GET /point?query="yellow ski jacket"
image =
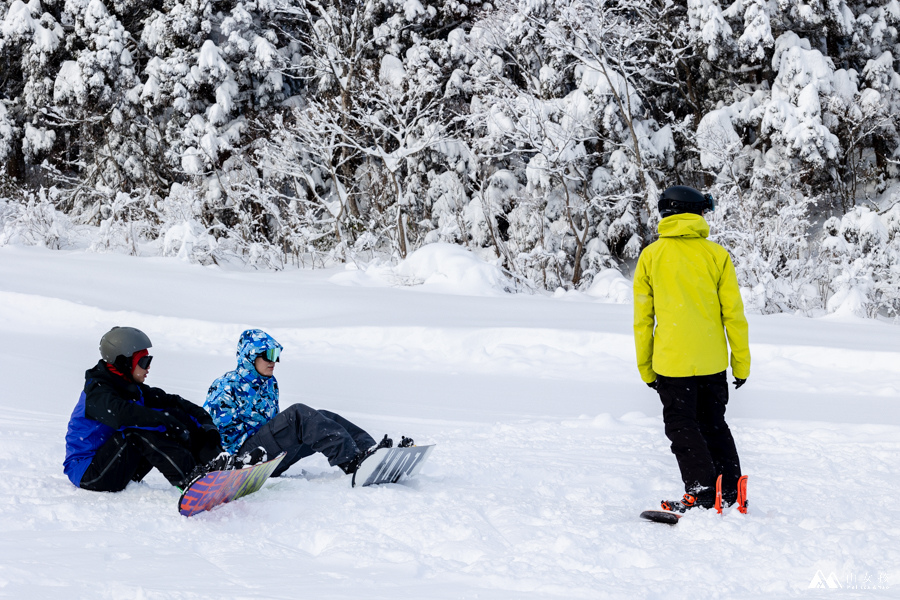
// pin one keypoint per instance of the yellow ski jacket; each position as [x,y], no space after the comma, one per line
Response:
[688,285]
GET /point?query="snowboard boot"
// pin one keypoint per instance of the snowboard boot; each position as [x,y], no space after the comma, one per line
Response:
[406,442]
[352,465]
[385,442]
[222,462]
[702,499]
[686,503]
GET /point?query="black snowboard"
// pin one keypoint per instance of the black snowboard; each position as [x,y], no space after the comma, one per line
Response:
[661,516]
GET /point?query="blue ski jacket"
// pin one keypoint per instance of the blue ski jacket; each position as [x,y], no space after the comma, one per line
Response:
[242,401]
[109,404]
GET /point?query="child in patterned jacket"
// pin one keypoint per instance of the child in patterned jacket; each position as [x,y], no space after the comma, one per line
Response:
[244,406]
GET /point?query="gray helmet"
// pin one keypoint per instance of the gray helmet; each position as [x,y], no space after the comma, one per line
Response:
[683,199]
[122,341]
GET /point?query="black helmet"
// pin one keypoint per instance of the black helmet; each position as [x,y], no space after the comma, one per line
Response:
[684,199]
[122,341]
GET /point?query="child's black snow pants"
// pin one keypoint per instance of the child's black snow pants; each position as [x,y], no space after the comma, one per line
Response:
[694,416]
[128,456]
[301,431]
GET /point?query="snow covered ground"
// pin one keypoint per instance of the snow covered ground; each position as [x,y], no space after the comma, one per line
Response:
[548,444]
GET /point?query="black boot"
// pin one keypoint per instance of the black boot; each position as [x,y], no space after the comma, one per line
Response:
[702,499]
[222,462]
[385,442]
[352,465]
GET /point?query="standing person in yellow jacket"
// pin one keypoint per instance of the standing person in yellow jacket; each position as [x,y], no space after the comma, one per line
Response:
[686,303]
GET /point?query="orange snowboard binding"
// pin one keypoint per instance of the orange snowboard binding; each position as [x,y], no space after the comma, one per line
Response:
[741,495]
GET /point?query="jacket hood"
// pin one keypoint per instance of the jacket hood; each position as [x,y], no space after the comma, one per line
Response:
[242,401]
[684,225]
[252,343]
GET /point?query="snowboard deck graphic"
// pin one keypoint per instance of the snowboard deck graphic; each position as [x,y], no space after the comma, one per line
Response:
[218,487]
[661,516]
[388,465]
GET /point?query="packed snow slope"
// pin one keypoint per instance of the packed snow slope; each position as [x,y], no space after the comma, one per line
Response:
[548,444]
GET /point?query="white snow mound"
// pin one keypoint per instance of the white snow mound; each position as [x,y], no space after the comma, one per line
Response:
[439,268]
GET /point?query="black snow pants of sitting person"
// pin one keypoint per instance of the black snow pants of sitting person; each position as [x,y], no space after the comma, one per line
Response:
[130,455]
[300,431]
[694,417]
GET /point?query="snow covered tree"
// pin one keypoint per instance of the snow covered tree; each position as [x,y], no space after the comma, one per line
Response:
[536,132]
[31,44]
[371,130]
[557,103]
[859,262]
[802,120]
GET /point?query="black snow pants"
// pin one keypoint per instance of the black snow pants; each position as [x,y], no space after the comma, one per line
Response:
[129,455]
[694,416]
[301,431]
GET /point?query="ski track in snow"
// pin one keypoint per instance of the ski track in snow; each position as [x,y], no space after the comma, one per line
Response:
[548,449]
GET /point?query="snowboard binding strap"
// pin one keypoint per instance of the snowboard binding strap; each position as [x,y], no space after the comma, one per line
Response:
[687,502]
[719,494]
[742,495]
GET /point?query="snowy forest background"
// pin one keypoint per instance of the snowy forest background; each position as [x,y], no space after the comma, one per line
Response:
[536,133]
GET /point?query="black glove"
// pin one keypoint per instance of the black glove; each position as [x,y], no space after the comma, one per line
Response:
[175,428]
[209,431]
[211,437]
[653,384]
[178,432]
[739,382]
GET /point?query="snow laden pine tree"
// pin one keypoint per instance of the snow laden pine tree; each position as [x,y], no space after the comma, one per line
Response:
[789,134]
[557,107]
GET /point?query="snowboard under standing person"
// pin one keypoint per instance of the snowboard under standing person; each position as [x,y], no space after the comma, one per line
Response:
[244,406]
[121,428]
[686,303]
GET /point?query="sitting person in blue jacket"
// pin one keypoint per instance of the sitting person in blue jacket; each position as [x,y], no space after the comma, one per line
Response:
[244,406]
[121,428]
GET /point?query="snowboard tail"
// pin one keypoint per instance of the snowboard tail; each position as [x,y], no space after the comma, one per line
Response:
[388,465]
[218,487]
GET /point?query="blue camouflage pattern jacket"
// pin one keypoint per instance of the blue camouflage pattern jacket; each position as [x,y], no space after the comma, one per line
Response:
[242,401]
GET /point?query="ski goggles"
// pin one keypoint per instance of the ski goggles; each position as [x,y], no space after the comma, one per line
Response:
[271,354]
[144,362]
